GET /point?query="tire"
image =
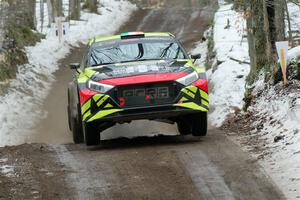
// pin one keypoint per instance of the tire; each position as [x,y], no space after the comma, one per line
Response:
[91,134]
[77,129]
[184,128]
[199,124]
[69,112]
[75,121]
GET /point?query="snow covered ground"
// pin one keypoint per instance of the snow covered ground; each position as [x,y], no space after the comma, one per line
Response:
[228,78]
[294,11]
[276,111]
[34,79]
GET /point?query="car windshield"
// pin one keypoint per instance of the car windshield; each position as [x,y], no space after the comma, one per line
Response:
[132,51]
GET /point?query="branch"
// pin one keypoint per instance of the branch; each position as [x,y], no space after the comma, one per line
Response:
[294,2]
[239,61]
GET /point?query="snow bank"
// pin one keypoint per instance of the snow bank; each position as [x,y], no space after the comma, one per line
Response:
[279,112]
[279,109]
[293,53]
[202,48]
[7,170]
[275,112]
[228,79]
[33,80]
[231,46]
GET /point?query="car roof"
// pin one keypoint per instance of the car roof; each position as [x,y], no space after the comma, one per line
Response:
[128,35]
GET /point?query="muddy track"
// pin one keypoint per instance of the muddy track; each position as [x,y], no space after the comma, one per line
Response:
[162,167]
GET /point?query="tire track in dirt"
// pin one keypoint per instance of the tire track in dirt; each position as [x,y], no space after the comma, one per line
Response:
[165,167]
[206,176]
[83,177]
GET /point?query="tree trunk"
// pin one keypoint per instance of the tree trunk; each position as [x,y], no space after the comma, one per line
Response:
[289,21]
[57,8]
[91,5]
[279,20]
[42,14]
[268,28]
[265,25]
[31,14]
[75,9]
[50,13]
[258,43]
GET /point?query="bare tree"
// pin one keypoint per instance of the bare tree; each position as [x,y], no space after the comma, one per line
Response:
[50,13]
[57,8]
[75,9]
[265,25]
[2,14]
[42,14]
[91,5]
[289,21]
[279,20]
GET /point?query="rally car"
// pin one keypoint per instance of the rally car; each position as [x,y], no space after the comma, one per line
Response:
[136,76]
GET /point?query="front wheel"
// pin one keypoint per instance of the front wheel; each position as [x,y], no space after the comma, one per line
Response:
[74,120]
[77,129]
[91,134]
[184,127]
[199,124]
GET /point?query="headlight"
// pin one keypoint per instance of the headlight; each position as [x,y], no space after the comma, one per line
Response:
[189,79]
[99,87]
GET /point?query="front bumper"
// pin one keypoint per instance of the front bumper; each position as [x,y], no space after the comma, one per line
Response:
[101,107]
[150,113]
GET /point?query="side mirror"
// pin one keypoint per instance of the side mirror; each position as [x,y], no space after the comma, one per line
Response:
[196,56]
[74,66]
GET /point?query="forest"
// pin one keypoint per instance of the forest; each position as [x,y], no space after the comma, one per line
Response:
[19,21]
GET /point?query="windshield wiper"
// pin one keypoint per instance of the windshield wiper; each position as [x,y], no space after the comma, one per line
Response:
[128,61]
[164,52]
[96,65]
[146,59]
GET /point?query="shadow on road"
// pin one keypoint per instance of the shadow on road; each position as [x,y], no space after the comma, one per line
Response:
[144,142]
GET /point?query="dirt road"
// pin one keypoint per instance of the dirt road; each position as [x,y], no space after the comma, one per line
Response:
[144,168]
[163,167]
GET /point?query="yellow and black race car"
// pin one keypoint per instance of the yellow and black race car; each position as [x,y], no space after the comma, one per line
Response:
[135,76]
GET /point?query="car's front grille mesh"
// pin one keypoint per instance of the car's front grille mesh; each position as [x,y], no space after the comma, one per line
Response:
[149,94]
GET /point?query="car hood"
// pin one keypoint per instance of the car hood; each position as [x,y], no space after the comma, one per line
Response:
[152,71]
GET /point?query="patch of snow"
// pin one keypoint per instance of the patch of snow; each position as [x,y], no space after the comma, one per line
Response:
[281,111]
[293,53]
[201,48]
[34,79]
[3,160]
[228,79]
[221,2]
[228,90]
[277,109]
[259,85]
[7,170]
